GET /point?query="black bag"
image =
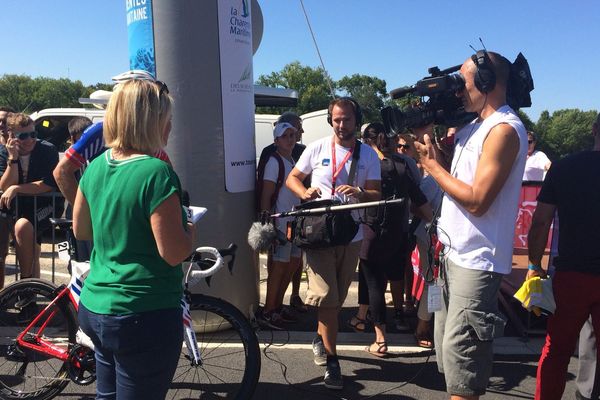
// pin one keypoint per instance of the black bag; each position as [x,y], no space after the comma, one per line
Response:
[328,229]
[384,220]
[325,230]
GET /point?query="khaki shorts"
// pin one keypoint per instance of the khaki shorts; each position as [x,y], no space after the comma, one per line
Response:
[330,273]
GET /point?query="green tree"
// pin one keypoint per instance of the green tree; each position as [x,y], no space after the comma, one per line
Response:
[27,94]
[312,85]
[565,132]
[369,91]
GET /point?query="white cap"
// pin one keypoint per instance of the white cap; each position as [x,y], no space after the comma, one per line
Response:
[281,128]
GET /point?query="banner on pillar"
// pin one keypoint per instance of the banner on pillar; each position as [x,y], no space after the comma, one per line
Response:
[235,48]
[140,35]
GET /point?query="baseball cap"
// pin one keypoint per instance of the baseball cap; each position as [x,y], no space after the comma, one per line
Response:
[281,128]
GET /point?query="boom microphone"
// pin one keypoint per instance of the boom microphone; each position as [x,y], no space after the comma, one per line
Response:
[261,236]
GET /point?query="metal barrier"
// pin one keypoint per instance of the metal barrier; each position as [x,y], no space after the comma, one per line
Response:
[57,200]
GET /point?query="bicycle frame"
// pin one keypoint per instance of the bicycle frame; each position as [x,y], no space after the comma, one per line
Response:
[35,341]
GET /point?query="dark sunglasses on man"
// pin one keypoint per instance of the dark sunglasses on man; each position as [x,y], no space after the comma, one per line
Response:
[404,146]
[26,135]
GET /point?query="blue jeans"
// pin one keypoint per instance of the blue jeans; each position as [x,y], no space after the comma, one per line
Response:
[136,354]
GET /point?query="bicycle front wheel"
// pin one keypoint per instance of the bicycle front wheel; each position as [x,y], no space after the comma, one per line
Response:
[229,350]
[27,373]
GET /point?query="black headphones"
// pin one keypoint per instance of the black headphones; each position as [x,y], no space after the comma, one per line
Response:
[485,77]
[357,111]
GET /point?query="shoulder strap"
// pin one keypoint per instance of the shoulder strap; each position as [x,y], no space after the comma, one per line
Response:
[355,157]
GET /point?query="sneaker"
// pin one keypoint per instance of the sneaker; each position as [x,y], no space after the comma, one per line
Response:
[287,315]
[24,300]
[271,320]
[333,374]
[319,353]
[400,322]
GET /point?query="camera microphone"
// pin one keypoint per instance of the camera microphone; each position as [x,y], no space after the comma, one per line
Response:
[261,236]
[401,92]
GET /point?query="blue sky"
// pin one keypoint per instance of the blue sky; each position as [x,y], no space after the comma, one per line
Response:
[395,40]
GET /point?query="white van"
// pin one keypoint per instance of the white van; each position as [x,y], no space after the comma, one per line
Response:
[51,125]
[315,126]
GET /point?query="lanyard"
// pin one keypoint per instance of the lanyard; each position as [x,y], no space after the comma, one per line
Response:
[336,170]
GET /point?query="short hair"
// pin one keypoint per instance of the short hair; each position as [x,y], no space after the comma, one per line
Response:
[18,120]
[7,109]
[289,117]
[501,68]
[342,102]
[137,113]
[77,125]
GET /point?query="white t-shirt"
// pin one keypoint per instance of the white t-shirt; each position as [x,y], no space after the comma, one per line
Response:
[535,166]
[286,198]
[485,242]
[317,159]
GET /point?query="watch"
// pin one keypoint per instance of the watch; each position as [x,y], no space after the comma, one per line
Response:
[13,160]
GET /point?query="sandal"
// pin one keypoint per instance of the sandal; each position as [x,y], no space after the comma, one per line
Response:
[424,340]
[380,352]
[358,324]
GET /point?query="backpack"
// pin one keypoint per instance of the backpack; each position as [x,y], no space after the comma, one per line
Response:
[260,174]
[383,219]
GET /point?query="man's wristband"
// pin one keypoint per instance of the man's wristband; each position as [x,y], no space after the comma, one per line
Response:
[532,267]
[13,160]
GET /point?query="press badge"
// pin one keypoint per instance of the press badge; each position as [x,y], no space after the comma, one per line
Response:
[434,298]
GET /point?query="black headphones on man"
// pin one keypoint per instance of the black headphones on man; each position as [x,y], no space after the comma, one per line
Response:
[357,111]
[485,77]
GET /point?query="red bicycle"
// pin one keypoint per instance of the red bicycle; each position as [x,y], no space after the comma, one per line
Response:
[42,348]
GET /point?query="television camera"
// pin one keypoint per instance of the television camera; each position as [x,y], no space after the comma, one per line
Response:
[442,106]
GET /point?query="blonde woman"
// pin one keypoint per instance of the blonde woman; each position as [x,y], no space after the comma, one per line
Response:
[129,204]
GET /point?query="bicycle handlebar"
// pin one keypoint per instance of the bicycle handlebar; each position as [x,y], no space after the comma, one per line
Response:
[195,271]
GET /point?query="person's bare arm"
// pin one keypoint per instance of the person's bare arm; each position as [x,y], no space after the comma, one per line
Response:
[294,183]
[538,236]
[11,174]
[12,191]
[82,220]
[499,153]
[174,241]
[64,175]
[267,192]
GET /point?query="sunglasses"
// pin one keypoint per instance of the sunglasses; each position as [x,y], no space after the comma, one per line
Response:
[530,141]
[26,135]
[404,146]
[163,88]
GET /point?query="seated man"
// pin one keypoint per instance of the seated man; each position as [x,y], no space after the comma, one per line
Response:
[26,165]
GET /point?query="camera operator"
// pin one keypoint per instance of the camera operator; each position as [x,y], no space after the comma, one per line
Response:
[477,223]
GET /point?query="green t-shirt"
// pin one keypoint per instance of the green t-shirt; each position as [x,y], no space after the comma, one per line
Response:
[127,273]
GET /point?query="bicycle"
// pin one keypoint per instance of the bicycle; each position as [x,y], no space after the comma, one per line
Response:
[42,348]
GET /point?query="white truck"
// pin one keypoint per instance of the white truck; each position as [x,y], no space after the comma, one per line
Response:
[51,123]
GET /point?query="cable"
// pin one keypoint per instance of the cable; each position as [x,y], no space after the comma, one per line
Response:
[327,77]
